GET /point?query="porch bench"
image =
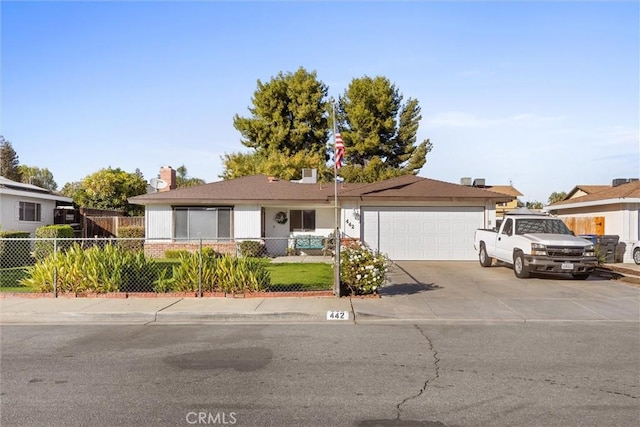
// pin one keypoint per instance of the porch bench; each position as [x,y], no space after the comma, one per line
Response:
[309,242]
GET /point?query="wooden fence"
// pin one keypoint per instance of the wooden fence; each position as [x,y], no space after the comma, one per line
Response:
[585,225]
[107,226]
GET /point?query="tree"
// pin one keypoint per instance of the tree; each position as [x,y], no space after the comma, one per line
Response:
[556,197]
[379,131]
[36,176]
[534,205]
[9,161]
[277,164]
[289,116]
[107,189]
[183,180]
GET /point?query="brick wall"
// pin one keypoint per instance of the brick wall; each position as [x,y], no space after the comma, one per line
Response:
[157,249]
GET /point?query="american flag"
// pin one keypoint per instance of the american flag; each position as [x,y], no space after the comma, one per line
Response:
[339,154]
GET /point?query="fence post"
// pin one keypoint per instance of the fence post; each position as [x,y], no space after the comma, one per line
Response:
[55,268]
[200,270]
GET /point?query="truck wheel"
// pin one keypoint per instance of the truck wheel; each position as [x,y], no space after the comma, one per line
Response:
[485,260]
[636,255]
[580,276]
[520,270]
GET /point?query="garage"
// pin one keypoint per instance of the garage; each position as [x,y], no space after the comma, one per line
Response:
[422,233]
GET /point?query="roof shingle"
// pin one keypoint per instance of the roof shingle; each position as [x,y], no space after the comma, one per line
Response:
[261,188]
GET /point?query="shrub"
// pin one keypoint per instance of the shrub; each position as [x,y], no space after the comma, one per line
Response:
[176,253]
[222,274]
[361,270]
[252,249]
[136,234]
[15,253]
[96,269]
[44,248]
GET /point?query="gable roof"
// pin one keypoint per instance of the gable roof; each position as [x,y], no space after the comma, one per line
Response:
[504,189]
[629,192]
[261,188]
[589,189]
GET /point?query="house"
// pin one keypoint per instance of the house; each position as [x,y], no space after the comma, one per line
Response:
[25,207]
[509,190]
[584,190]
[407,218]
[612,210]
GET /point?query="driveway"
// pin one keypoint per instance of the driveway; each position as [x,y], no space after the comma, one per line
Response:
[437,291]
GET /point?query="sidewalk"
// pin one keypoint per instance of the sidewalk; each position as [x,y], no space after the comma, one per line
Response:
[169,310]
[407,301]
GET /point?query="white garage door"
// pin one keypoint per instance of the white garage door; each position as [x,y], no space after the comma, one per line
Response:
[433,233]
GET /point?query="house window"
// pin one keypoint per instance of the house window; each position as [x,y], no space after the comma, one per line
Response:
[302,220]
[30,212]
[202,223]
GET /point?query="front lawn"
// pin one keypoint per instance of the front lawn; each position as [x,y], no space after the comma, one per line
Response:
[9,278]
[300,276]
[284,276]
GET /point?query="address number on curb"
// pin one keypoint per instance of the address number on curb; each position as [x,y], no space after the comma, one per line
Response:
[337,315]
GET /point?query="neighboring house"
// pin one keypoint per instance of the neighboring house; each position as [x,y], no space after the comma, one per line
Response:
[509,190]
[614,210]
[25,207]
[512,204]
[584,190]
[407,218]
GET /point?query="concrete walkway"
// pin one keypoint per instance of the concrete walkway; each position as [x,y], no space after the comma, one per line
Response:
[419,292]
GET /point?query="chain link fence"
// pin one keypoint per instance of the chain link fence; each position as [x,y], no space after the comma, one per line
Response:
[138,266]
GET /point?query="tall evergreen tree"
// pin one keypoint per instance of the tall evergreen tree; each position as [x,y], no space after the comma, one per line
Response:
[289,116]
[9,161]
[379,131]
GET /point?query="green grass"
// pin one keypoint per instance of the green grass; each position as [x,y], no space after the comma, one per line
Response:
[300,276]
[9,278]
[284,276]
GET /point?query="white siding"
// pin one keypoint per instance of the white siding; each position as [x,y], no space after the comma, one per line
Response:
[621,219]
[246,221]
[350,220]
[159,222]
[10,213]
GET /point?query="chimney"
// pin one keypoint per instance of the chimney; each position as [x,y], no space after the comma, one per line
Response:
[168,175]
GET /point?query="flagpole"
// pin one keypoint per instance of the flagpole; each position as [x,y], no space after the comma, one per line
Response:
[336,278]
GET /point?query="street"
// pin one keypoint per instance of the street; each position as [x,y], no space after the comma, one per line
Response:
[541,373]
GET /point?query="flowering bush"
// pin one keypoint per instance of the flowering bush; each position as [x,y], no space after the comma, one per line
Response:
[361,270]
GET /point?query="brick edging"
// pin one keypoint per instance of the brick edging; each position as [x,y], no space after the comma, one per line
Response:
[125,295]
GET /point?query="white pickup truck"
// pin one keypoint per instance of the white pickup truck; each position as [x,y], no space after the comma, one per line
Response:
[536,243]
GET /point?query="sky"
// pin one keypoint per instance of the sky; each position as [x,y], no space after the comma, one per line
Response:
[543,95]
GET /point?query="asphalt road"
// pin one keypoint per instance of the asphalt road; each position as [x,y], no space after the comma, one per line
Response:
[532,374]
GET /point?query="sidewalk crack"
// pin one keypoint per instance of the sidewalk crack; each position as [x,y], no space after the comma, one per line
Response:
[436,366]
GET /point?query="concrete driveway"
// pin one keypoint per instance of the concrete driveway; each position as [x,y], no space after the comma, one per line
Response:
[437,291]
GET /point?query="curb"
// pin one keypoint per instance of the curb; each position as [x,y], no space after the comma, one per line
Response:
[77,317]
[132,295]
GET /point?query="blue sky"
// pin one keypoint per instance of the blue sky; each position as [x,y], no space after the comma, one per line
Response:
[544,95]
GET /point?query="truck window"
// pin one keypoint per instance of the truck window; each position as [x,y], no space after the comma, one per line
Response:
[508,227]
[542,226]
